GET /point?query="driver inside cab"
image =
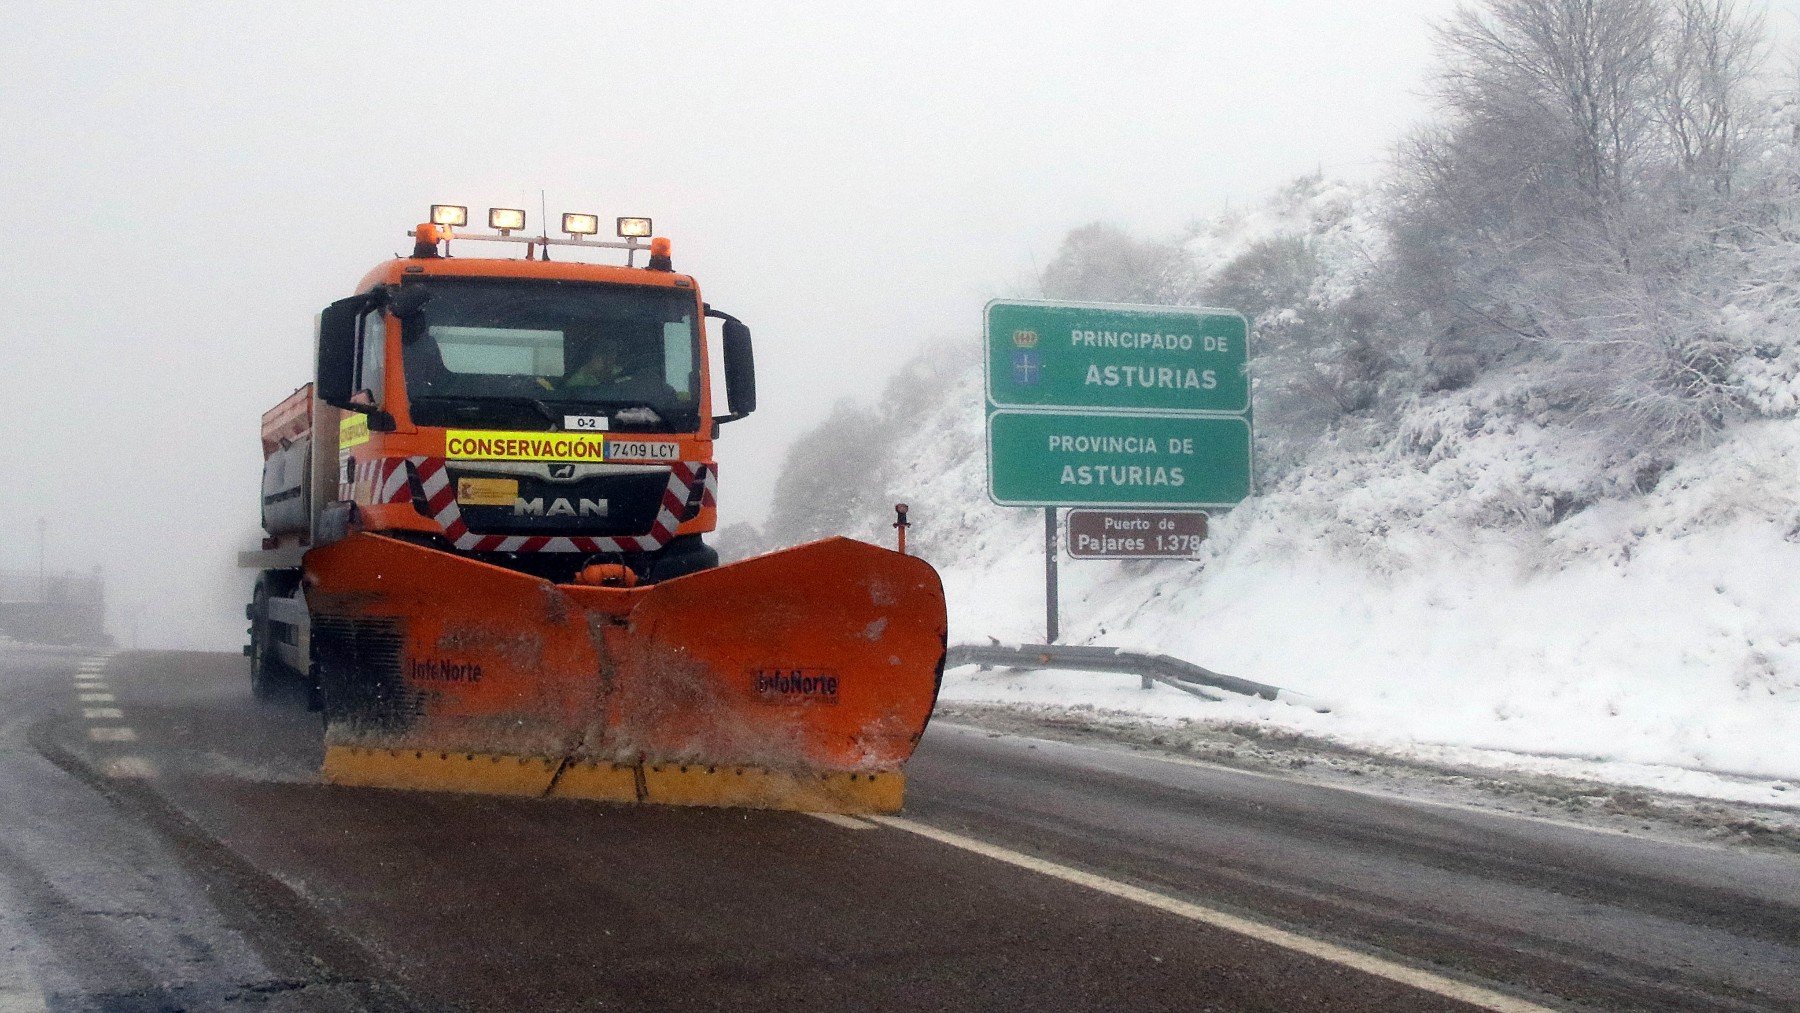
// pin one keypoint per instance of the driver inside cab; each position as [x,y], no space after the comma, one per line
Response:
[603,368]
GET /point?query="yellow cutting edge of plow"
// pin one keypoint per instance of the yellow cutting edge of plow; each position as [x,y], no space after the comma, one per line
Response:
[655,783]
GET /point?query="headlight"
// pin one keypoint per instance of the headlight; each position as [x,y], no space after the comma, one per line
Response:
[506,219]
[634,228]
[581,225]
[449,214]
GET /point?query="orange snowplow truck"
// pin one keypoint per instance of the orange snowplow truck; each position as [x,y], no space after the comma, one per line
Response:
[485,556]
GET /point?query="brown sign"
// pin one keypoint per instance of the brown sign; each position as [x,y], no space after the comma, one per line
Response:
[1135,534]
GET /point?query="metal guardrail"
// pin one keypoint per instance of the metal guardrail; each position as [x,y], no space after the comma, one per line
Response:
[1150,668]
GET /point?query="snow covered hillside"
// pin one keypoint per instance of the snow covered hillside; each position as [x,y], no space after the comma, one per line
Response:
[1466,572]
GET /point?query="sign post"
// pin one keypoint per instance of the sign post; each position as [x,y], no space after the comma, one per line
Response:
[1116,406]
[1051,608]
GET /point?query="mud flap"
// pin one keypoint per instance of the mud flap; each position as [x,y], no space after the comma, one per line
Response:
[799,679]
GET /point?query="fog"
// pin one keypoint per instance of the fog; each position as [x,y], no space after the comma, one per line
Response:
[185,188]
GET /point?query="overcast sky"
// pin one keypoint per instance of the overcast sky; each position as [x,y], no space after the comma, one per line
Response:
[185,185]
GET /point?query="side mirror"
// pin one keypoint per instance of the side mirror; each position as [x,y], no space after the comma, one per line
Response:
[740,370]
[407,300]
[335,371]
[335,374]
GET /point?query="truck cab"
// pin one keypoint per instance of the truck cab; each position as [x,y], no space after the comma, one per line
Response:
[538,415]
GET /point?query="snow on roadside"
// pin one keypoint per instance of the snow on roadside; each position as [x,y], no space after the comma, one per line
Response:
[1654,643]
[1469,577]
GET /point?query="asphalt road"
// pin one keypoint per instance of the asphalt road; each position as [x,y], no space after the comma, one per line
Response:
[169,848]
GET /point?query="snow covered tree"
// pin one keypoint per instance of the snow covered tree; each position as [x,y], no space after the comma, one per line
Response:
[1575,206]
[1099,262]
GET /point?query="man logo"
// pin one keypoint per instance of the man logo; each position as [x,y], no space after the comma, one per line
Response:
[559,507]
[1025,339]
[562,471]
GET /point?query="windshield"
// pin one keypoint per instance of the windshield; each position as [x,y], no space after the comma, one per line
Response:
[526,353]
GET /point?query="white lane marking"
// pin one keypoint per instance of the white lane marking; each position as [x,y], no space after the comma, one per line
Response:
[1425,981]
[95,698]
[130,768]
[20,998]
[112,735]
[840,820]
[19,991]
[94,713]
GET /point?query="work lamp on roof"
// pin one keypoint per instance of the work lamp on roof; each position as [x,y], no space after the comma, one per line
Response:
[506,219]
[449,214]
[634,228]
[581,225]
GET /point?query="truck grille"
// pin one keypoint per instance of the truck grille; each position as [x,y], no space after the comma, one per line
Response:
[615,503]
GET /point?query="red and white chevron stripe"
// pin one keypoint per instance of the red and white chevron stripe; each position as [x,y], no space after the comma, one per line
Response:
[441,505]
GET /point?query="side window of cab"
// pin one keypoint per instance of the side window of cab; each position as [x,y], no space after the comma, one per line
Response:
[371,356]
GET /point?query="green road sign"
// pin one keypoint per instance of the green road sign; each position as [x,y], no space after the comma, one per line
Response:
[1038,458]
[1107,357]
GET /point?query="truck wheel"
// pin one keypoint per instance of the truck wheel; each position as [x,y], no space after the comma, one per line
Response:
[268,674]
[264,665]
[685,555]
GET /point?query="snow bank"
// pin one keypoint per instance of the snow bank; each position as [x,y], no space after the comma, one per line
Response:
[1468,577]
[1663,631]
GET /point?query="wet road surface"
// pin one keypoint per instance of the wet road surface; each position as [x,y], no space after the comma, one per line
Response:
[164,844]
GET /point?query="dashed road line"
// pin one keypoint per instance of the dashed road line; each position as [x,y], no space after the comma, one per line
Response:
[106,734]
[1425,981]
[98,713]
[95,698]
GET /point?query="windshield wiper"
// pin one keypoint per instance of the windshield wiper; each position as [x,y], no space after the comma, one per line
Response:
[632,413]
[470,402]
[637,415]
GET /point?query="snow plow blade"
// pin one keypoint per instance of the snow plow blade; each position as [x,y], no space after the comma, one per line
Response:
[797,680]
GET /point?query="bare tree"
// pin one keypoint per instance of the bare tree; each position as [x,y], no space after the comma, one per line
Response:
[1577,204]
[1711,52]
[1103,263]
[1576,73]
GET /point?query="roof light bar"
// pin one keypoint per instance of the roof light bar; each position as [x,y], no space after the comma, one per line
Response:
[449,214]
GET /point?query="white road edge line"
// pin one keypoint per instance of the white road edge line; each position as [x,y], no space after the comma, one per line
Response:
[841,820]
[1426,981]
[20,989]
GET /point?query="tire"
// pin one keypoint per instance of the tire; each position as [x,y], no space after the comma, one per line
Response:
[262,647]
[268,675]
[681,557]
